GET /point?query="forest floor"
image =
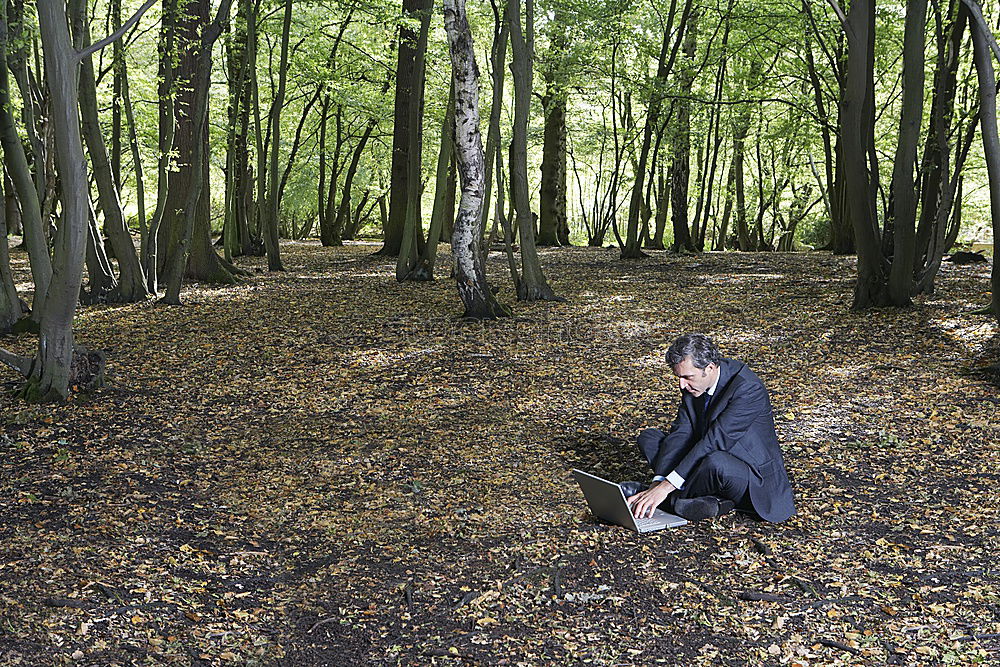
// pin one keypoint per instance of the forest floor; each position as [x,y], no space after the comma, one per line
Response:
[325,467]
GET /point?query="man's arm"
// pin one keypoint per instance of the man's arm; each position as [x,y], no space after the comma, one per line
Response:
[678,435]
[748,404]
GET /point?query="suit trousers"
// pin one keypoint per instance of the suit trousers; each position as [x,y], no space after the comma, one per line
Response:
[718,474]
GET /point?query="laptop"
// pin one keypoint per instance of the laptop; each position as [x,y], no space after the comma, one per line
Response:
[607,501]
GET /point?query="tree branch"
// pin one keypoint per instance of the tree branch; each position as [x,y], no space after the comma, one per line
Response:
[20,364]
[97,46]
[840,15]
[977,15]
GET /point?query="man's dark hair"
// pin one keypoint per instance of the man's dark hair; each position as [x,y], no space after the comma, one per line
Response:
[697,347]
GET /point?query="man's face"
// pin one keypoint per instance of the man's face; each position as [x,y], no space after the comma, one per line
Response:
[696,381]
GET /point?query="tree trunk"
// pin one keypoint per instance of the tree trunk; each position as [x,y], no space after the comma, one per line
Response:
[190,148]
[118,82]
[409,92]
[680,168]
[532,285]
[937,187]
[552,196]
[10,304]
[498,57]
[16,163]
[190,243]
[424,268]
[857,125]
[344,210]
[662,209]
[326,227]
[101,277]
[991,141]
[50,373]
[236,229]
[140,185]
[410,246]
[273,199]
[904,196]
[632,248]
[131,286]
[470,271]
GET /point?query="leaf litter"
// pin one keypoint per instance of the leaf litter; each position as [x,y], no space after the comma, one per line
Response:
[324,467]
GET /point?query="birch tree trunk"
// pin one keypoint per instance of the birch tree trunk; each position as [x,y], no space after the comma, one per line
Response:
[470,271]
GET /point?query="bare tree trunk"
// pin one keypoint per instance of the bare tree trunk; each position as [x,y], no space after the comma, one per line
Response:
[937,186]
[50,373]
[101,278]
[985,72]
[680,168]
[857,125]
[470,272]
[195,199]
[273,199]
[632,248]
[424,268]
[409,249]
[904,196]
[131,285]
[342,220]
[409,90]
[532,286]
[17,167]
[552,191]
[498,56]
[10,304]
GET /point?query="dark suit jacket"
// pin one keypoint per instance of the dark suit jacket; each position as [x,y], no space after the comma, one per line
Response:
[739,421]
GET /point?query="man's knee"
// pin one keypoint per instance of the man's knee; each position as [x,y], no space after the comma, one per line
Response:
[650,436]
[718,461]
[649,442]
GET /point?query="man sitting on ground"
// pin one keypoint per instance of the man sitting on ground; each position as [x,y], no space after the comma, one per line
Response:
[722,451]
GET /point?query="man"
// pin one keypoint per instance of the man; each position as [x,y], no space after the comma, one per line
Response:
[722,451]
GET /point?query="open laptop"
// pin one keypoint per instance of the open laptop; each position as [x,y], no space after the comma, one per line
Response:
[607,501]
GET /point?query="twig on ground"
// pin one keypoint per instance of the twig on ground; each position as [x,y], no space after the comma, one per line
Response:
[838,645]
[708,588]
[320,622]
[557,580]
[975,638]
[67,602]
[443,653]
[754,596]
[408,594]
[466,599]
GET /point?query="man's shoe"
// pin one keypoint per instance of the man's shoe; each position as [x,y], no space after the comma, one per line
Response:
[702,507]
[632,488]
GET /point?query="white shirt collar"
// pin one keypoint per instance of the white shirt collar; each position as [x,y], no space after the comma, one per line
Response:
[711,391]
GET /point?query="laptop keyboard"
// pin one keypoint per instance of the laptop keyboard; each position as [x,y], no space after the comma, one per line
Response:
[647,523]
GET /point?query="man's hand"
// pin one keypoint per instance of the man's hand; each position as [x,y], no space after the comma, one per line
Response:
[644,502]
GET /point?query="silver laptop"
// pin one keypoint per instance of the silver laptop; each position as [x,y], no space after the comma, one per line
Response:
[607,501]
